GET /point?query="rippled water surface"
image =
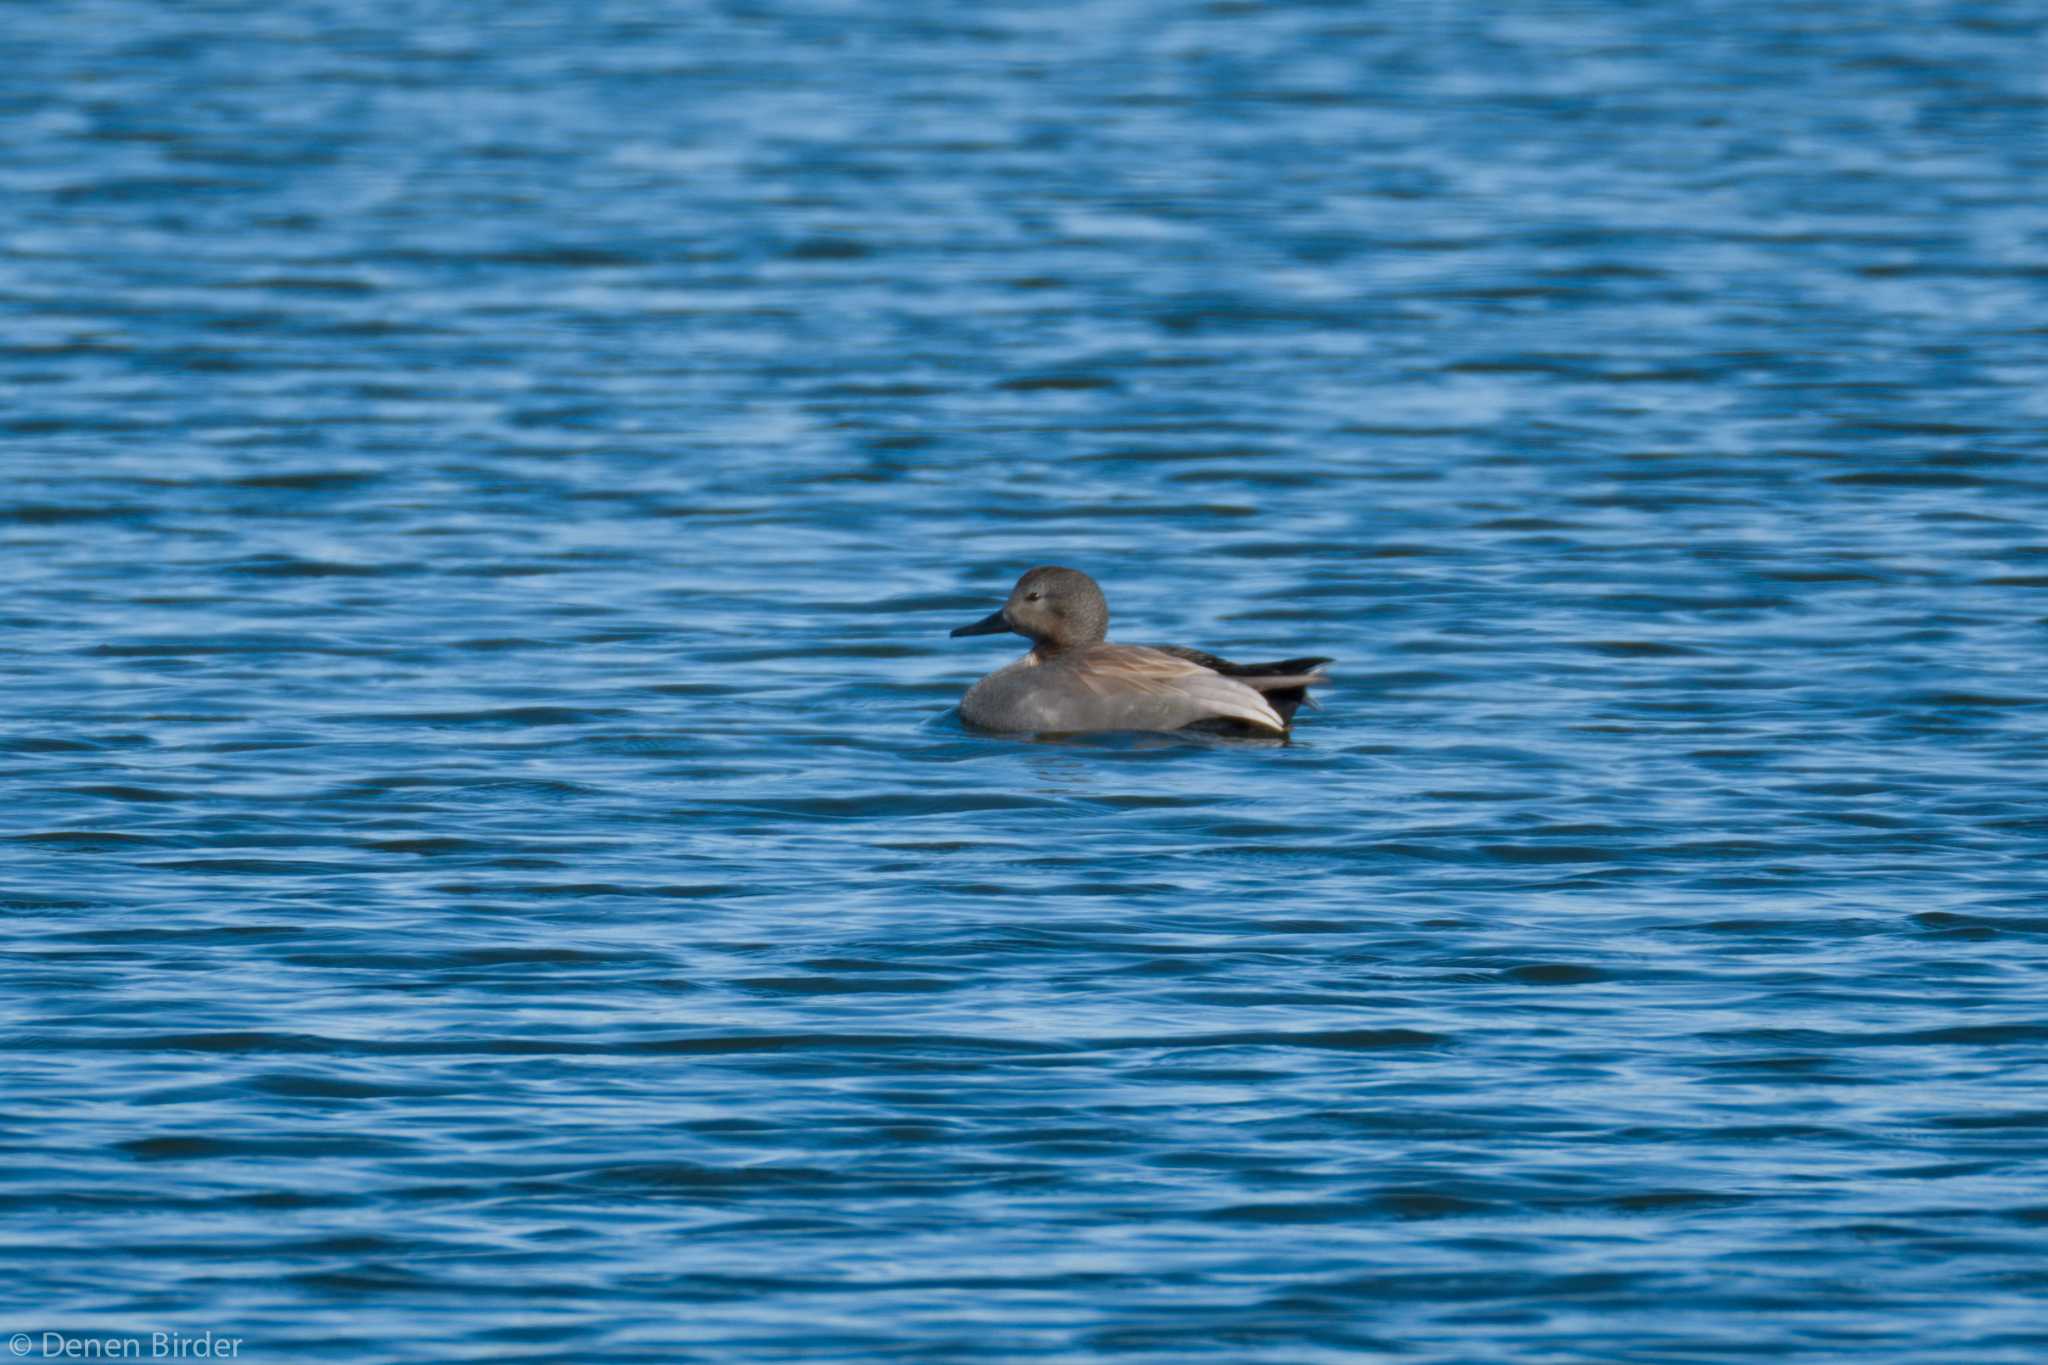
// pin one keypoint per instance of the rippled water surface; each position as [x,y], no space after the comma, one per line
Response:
[491,869]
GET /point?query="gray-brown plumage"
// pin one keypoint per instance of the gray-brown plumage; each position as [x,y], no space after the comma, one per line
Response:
[1075,680]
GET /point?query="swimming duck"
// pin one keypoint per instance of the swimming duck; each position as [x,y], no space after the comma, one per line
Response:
[1075,680]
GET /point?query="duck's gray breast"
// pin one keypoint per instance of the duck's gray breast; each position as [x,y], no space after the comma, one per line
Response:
[1008,699]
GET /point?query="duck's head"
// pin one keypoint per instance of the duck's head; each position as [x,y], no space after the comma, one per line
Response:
[1052,607]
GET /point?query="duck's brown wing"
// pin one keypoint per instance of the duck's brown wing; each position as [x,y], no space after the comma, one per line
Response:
[1175,684]
[1284,684]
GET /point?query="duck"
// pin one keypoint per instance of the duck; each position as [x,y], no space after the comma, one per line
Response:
[1074,681]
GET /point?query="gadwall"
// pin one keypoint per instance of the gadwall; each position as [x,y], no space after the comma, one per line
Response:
[1074,680]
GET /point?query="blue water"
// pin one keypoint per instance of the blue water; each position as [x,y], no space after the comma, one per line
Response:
[490,869]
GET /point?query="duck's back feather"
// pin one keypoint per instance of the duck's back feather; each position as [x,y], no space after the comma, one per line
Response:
[1166,684]
[1283,684]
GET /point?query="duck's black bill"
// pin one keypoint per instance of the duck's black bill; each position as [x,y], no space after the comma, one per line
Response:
[991,624]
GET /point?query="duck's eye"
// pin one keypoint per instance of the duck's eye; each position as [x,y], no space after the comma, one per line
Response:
[1030,597]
